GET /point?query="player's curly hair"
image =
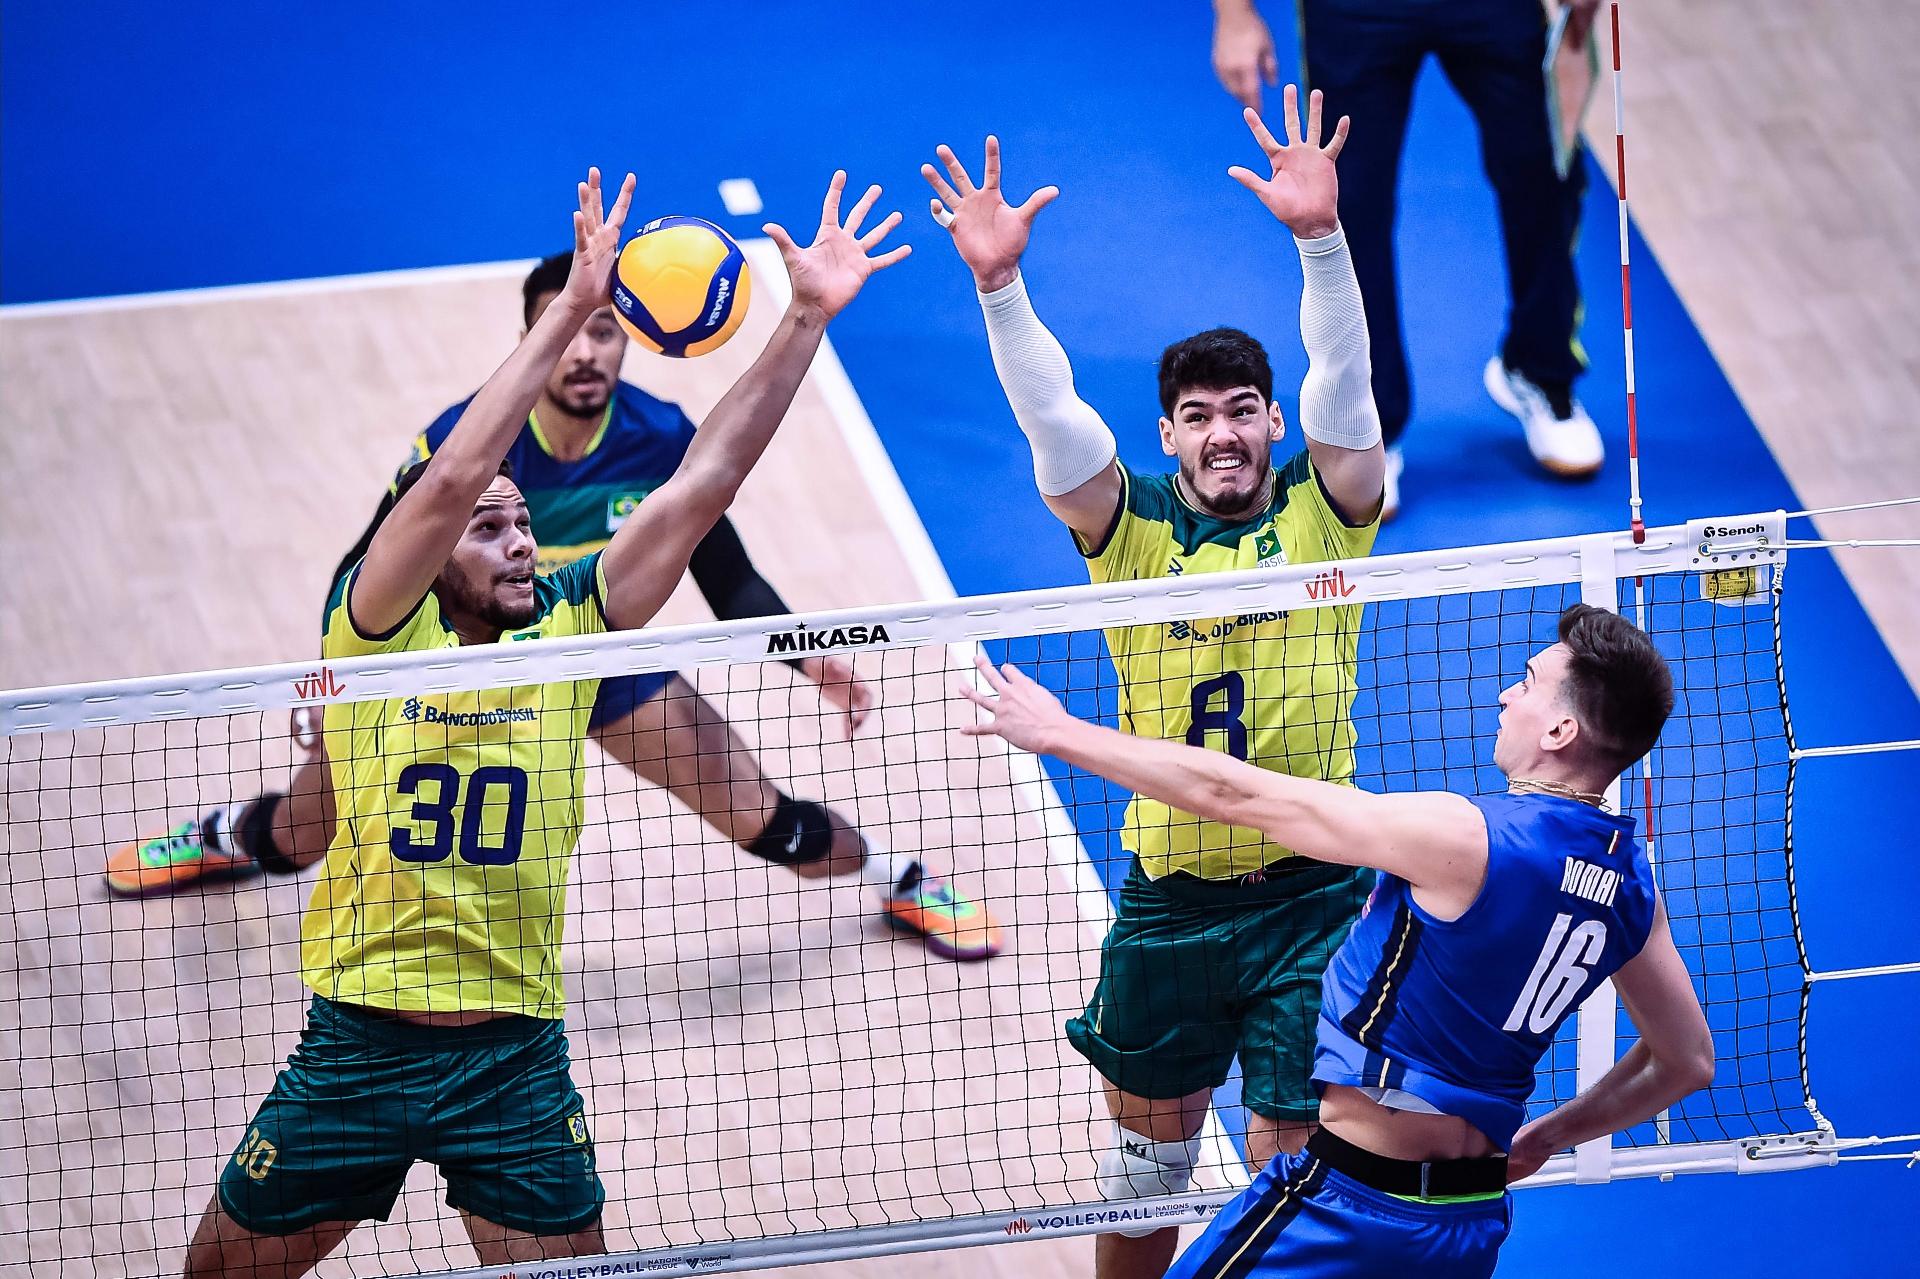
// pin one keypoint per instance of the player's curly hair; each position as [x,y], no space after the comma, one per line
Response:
[1217,360]
[1618,684]
[550,276]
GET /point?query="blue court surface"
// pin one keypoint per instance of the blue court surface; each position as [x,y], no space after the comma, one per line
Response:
[153,147]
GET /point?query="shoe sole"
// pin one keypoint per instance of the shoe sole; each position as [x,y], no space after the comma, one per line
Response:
[239,870]
[935,944]
[1502,395]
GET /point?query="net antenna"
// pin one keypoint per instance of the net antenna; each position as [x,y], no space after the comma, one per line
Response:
[1635,512]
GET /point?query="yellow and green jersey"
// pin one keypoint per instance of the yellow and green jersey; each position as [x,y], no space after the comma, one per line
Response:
[445,887]
[1275,689]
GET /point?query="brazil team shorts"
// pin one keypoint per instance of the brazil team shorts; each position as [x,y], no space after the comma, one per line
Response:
[1197,972]
[622,695]
[364,1097]
[1303,1220]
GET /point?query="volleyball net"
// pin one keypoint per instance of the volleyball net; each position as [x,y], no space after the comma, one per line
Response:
[771,1075]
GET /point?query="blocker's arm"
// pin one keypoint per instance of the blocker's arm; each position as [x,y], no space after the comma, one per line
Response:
[412,546]
[1074,453]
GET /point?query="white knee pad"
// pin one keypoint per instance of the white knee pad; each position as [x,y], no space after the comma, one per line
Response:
[1137,1168]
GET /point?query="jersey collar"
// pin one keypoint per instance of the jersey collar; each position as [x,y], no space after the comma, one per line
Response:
[540,437]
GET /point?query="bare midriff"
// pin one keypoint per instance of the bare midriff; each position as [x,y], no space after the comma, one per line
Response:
[1400,1134]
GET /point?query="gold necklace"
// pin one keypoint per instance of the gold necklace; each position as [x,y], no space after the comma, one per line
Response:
[1535,786]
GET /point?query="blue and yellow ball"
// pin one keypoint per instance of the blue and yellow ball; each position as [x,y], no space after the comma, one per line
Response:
[681,286]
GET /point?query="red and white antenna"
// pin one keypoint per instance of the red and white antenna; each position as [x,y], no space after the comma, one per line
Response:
[1639,524]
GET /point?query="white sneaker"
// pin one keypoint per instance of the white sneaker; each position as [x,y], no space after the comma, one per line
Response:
[1390,498]
[1567,446]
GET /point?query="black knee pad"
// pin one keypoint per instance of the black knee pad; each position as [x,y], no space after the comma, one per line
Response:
[800,832]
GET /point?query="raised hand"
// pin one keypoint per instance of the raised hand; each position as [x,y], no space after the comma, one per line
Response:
[1243,52]
[596,244]
[1303,191]
[829,272]
[989,233]
[1024,713]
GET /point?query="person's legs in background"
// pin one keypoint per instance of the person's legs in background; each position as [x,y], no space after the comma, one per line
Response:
[1364,56]
[1491,51]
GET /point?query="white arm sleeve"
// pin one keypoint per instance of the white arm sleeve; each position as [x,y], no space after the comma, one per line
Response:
[1070,442]
[1336,398]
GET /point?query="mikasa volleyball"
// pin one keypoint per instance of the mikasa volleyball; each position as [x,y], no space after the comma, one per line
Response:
[681,286]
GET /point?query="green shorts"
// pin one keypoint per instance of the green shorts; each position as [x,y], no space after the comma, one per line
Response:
[363,1097]
[1196,972]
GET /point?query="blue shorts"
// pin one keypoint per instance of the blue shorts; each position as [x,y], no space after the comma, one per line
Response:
[1302,1219]
[622,695]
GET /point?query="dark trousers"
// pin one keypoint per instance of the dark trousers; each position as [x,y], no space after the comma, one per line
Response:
[1364,56]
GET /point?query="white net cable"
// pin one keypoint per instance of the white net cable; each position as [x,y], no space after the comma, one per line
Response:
[770,1074]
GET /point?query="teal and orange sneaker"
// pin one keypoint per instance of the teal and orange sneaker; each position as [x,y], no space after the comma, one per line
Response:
[182,856]
[953,926]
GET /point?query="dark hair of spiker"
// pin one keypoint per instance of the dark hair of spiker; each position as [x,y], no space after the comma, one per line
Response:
[1618,684]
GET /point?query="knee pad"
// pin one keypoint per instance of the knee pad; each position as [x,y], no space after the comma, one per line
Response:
[800,832]
[1137,1168]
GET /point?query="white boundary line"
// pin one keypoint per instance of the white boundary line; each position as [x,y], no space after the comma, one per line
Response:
[268,289]
[1033,790]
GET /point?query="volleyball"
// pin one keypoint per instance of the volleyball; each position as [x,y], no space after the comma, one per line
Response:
[681,286]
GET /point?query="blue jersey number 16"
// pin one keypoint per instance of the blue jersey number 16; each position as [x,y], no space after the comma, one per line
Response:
[431,837]
[1230,691]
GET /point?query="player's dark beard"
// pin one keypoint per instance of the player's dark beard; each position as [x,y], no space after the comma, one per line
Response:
[459,594]
[1229,506]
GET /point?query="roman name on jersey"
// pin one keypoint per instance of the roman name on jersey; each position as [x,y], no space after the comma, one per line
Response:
[801,639]
[1596,884]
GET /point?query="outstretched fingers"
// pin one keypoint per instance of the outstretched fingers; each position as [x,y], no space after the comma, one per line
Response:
[1313,118]
[621,203]
[1339,138]
[1248,178]
[778,234]
[830,207]
[990,174]
[891,256]
[1262,134]
[939,185]
[861,208]
[958,171]
[1037,201]
[880,232]
[1291,114]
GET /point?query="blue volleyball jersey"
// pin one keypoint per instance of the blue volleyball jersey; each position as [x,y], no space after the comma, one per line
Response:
[1459,1012]
[576,506]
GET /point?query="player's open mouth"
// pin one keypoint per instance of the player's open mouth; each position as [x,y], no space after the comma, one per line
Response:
[1226,463]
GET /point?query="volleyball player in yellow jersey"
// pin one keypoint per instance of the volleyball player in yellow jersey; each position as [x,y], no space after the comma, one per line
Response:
[432,942]
[1221,936]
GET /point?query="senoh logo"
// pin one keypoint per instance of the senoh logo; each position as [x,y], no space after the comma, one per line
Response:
[1327,586]
[320,683]
[804,639]
[1730,530]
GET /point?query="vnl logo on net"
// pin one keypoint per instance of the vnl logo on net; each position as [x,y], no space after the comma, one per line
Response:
[320,683]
